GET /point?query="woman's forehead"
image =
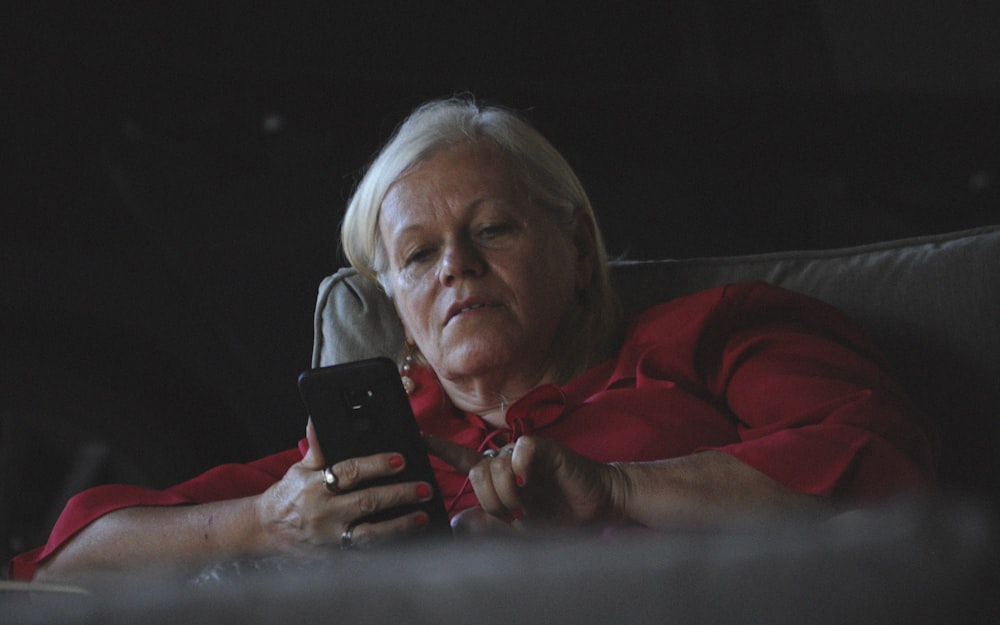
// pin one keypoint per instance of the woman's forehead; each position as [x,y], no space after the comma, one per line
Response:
[480,159]
[460,179]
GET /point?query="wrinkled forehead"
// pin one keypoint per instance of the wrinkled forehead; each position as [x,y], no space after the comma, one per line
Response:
[453,178]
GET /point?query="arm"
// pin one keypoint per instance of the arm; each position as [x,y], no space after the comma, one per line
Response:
[296,515]
[130,537]
[702,489]
[539,482]
[817,422]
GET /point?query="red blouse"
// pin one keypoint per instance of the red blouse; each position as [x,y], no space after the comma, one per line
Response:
[780,381]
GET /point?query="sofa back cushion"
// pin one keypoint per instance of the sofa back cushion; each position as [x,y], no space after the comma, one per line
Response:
[932,303]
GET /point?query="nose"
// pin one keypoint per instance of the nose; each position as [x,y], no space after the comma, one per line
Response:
[461,259]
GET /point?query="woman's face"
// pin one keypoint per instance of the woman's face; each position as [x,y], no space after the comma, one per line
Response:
[481,280]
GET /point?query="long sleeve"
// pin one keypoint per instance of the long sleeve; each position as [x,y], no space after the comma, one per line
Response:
[228,481]
[815,407]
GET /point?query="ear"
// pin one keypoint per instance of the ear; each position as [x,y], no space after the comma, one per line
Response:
[585,243]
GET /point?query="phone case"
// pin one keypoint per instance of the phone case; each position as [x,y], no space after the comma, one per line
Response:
[360,408]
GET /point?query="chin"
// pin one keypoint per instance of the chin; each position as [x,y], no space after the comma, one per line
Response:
[475,360]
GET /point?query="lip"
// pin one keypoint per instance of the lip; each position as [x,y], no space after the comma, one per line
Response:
[465,305]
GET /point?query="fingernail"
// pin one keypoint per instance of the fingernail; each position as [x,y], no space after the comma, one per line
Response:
[519,480]
[423,491]
[421,520]
[396,461]
[517,513]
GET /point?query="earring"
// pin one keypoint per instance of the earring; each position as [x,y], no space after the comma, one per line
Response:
[409,384]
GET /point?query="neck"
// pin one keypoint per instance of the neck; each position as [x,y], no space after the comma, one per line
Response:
[489,398]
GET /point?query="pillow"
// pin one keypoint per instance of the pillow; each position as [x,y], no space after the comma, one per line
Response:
[932,303]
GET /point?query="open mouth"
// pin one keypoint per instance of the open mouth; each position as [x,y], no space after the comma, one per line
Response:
[467,308]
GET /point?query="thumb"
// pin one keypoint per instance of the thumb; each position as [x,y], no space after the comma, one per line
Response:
[541,456]
[314,455]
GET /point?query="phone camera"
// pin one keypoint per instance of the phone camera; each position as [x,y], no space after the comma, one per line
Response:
[358,398]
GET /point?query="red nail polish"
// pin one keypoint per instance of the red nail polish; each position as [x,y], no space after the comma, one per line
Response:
[519,480]
[396,461]
[421,520]
[517,514]
[423,491]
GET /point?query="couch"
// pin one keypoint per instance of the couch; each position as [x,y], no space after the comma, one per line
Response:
[932,303]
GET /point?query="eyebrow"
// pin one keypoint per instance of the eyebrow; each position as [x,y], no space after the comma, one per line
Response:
[477,201]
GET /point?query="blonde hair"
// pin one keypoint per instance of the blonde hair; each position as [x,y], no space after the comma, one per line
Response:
[544,174]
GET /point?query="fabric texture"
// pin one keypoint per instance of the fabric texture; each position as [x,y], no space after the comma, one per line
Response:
[697,373]
[227,481]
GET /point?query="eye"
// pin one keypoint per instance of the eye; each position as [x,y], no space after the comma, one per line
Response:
[492,231]
[418,256]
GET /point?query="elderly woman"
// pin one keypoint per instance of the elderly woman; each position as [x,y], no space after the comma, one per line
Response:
[540,406]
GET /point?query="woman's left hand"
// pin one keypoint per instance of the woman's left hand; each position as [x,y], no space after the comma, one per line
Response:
[535,482]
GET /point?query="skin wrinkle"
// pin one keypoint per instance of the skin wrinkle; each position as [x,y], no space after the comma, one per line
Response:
[453,232]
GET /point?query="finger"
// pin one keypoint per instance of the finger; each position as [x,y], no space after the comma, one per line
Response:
[481,478]
[526,453]
[505,485]
[367,535]
[460,457]
[313,458]
[361,504]
[353,472]
[358,504]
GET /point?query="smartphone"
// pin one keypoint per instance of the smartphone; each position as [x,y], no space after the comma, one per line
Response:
[360,408]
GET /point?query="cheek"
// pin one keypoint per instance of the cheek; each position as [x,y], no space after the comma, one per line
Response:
[555,285]
[555,268]
[412,307]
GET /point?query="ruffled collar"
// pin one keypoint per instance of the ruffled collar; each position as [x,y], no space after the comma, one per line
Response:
[543,405]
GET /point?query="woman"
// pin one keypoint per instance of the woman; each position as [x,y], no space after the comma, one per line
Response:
[539,407]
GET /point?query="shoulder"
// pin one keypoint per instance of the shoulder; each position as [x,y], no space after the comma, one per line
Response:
[732,308]
[720,300]
[733,298]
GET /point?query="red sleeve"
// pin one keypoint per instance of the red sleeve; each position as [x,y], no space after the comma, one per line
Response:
[815,408]
[229,481]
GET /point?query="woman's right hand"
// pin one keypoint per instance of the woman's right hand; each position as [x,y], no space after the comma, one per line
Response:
[299,513]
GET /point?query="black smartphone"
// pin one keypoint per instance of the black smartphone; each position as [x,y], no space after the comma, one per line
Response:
[360,408]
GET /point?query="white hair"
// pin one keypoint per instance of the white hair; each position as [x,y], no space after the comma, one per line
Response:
[545,176]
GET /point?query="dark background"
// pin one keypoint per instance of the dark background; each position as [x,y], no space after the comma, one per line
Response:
[177,172]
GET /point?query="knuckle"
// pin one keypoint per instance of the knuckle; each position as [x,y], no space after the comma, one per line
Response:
[526,444]
[366,502]
[361,536]
[350,470]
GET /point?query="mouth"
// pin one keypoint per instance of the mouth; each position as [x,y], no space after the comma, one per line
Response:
[466,307]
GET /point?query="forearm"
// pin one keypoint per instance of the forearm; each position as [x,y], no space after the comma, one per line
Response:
[145,536]
[706,488]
